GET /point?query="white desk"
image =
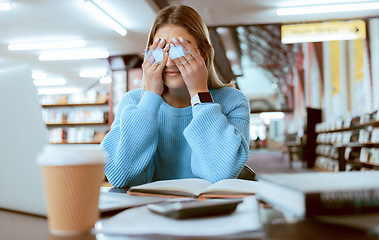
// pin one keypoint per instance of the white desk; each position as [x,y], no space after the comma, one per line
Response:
[18,226]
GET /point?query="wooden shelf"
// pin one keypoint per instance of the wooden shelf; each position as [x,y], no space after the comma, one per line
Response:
[65,142]
[341,147]
[328,156]
[323,143]
[75,124]
[74,104]
[355,145]
[364,164]
[78,121]
[318,169]
[373,123]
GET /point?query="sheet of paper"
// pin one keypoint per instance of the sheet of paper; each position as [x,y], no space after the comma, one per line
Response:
[140,221]
[112,201]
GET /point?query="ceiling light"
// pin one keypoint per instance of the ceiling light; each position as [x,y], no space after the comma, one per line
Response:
[5,5]
[330,8]
[47,45]
[46,91]
[105,80]
[39,75]
[49,82]
[93,73]
[106,18]
[267,121]
[73,55]
[271,115]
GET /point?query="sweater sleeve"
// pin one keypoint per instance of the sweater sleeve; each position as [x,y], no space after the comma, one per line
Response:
[219,139]
[132,141]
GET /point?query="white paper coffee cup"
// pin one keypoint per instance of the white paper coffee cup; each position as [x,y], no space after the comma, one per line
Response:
[72,178]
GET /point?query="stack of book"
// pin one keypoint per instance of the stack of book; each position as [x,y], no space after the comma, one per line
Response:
[316,194]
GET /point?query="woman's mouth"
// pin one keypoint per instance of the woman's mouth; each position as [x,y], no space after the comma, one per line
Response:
[172,73]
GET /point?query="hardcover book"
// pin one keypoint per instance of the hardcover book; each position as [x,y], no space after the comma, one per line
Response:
[321,193]
[197,188]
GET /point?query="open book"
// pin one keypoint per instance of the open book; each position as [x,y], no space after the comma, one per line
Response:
[197,188]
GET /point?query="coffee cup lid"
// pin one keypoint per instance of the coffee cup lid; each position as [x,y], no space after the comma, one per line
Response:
[58,155]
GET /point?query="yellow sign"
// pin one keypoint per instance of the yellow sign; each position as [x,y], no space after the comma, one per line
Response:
[358,60]
[335,67]
[327,31]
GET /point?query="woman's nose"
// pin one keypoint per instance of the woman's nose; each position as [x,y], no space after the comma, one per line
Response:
[169,62]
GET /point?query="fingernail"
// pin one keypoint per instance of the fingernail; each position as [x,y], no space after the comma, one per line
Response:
[162,41]
[156,40]
[165,47]
[172,45]
[181,39]
[174,40]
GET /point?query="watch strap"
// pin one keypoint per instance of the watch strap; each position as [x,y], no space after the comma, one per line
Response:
[201,97]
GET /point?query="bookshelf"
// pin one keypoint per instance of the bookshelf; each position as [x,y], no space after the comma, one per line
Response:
[305,146]
[76,120]
[352,144]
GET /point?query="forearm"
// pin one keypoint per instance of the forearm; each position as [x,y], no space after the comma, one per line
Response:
[132,142]
[219,143]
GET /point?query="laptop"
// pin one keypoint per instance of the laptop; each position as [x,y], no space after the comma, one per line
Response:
[22,136]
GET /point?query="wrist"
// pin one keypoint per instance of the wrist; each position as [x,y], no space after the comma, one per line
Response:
[157,90]
[194,92]
[201,97]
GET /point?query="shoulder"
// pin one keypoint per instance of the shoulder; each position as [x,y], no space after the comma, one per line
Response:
[228,94]
[136,93]
[133,96]
[130,98]
[231,100]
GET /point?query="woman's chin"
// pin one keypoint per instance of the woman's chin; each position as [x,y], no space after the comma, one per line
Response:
[176,82]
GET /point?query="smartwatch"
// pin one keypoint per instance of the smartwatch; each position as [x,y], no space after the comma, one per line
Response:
[201,97]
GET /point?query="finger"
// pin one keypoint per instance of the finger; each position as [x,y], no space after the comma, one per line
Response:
[162,64]
[156,42]
[148,60]
[190,50]
[158,52]
[175,55]
[161,43]
[154,53]
[177,52]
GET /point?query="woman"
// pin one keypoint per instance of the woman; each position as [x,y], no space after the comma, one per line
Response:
[157,133]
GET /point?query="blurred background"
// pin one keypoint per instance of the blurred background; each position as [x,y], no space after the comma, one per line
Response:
[307,67]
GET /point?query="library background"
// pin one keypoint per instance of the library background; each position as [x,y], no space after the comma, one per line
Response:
[311,87]
[311,77]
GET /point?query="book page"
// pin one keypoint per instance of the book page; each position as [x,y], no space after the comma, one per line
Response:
[233,186]
[194,186]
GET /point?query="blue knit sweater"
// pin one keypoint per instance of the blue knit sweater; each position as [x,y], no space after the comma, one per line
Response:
[150,140]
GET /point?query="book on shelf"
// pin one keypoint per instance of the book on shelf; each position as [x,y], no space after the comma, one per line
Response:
[374,156]
[321,193]
[197,188]
[364,136]
[365,153]
[375,135]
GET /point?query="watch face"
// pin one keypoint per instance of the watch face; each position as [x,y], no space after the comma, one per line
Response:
[205,97]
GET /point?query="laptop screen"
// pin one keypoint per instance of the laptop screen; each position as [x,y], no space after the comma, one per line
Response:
[22,136]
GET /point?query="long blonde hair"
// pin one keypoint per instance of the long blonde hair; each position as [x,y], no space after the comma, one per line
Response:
[188,18]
